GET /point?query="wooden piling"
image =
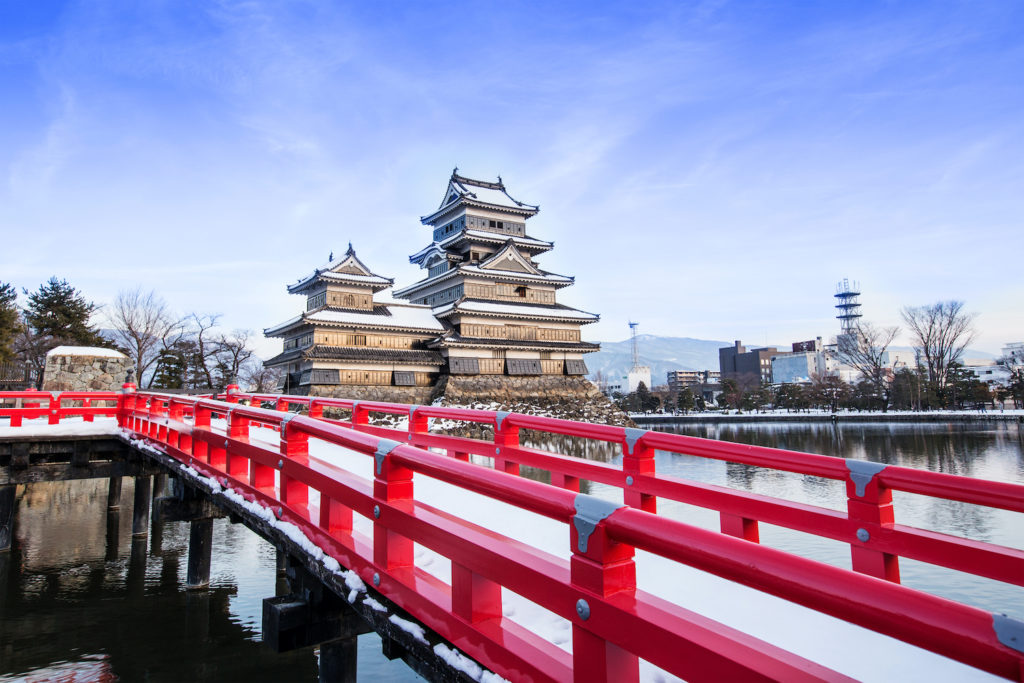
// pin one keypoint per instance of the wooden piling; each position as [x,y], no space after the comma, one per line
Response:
[7,506]
[140,509]
[114,494]
[200,545]
[338,660]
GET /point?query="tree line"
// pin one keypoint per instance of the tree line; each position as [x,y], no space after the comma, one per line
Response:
[168,351]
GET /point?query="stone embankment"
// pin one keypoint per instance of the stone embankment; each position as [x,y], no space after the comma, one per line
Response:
[569,398]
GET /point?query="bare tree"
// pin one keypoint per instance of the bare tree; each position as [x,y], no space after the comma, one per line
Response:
[258,378]
[143,326]
[940,333]
[865,350]
[232,351]
[199,330]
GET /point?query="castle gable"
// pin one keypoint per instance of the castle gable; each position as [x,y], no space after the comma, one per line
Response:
[509,258]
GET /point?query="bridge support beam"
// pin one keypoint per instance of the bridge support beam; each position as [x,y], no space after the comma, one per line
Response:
[140,508]
[7,506]
[200,547]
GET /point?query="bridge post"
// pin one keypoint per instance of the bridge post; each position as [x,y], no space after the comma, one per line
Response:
[869,505]
[505,436]
[7,506]
[176,413]
[238,429]
[294,446]
[140,507]
[392,483]
[200,547]
[54,408]
[637,459]
[201,420]
[114,493]
[604,568]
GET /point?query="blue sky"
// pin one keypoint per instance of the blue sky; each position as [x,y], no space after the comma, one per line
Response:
[707,169]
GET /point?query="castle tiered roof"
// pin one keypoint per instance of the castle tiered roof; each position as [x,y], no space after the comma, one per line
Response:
[349,270]
[463,191]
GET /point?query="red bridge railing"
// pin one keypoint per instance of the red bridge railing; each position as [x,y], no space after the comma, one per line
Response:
[614,622]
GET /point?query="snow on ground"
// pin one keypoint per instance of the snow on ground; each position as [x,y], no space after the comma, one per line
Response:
[829,641]
[68,426]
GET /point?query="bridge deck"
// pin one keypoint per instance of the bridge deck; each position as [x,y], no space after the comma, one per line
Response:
[538,581]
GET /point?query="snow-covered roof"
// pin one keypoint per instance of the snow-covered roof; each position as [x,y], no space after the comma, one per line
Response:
[525,310]
[94,351]
[529,243]
[463,189]
[341,271]
[401,315]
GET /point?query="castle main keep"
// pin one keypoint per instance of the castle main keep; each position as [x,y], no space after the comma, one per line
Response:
[483,325]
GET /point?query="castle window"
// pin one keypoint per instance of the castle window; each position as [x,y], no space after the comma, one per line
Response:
[349,300]
[521,292]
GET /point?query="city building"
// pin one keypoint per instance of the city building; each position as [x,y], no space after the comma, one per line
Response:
[351,335]
[807,359]
[735,362]
[678,379]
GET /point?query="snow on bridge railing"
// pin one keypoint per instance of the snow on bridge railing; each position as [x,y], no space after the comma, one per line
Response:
[613,620]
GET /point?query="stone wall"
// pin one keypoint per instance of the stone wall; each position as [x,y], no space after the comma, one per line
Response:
[570,398]
[84,372]
[386,394]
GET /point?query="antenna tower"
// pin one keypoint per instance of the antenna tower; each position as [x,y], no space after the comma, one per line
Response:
[847,294]
[636,348]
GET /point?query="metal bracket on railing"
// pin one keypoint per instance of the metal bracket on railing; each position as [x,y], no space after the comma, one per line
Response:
[862,472]
[1009,631]
[589,513]
[632,436]
[384,447]
[499,417]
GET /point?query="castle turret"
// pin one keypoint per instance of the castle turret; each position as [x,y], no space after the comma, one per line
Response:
[348,336]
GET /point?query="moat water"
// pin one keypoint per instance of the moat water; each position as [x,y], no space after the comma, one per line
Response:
[80,601]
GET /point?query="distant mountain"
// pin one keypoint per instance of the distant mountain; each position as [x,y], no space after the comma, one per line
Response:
[661,354]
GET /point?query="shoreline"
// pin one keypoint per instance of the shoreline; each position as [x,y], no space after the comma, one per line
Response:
[830,418]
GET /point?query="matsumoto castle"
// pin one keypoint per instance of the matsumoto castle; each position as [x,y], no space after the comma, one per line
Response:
[484,319]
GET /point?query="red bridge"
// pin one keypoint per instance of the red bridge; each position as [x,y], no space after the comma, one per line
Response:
[615,622]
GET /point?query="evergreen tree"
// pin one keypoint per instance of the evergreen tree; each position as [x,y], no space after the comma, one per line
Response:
[172,367]
[685,401]
[10,321]
[61,312]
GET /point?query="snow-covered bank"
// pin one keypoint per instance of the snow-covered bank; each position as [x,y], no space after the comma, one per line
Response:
[1013,415]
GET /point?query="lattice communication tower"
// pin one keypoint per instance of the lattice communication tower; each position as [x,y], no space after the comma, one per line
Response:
[848,293]
[636,348]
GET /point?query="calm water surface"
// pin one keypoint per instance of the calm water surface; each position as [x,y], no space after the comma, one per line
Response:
[79,601]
